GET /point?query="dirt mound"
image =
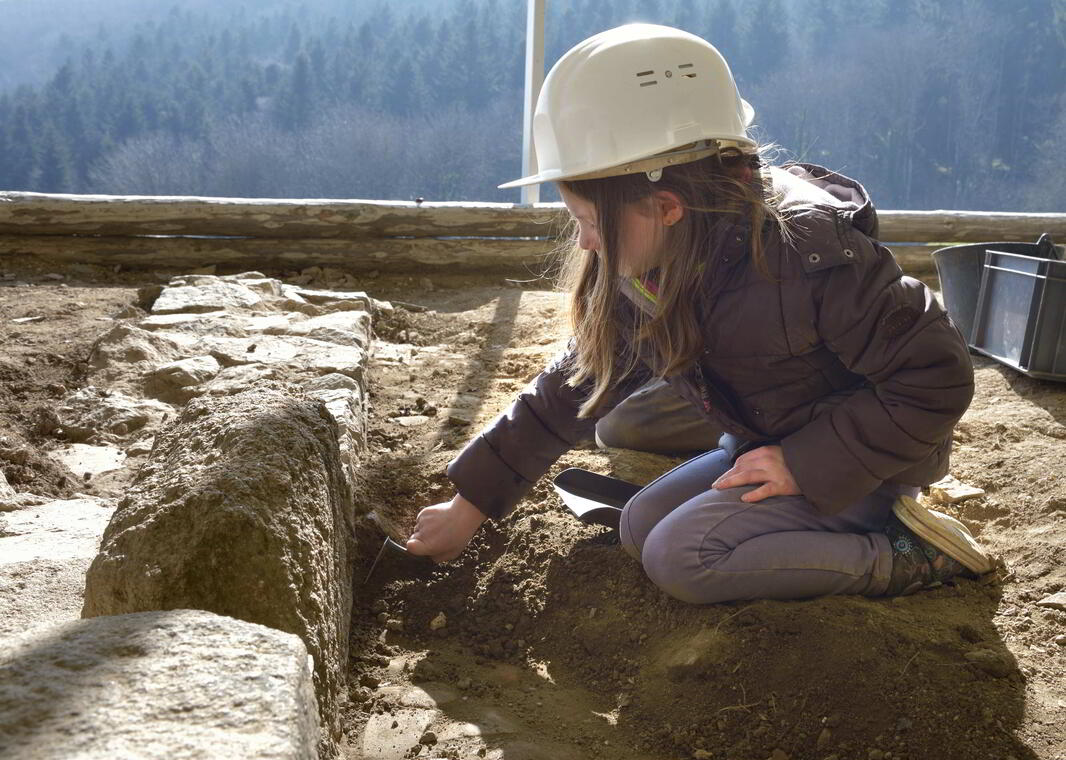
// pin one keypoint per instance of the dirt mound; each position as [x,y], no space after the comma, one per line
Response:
[552,623]
[912,677]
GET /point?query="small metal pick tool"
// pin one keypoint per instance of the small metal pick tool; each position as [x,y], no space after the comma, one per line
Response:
[395,549]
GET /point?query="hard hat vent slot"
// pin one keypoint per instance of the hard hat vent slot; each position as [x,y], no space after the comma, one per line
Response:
[689,76]
[645,73]
[685,66]
[649,84]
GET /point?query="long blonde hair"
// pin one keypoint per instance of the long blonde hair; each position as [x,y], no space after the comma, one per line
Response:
[720,189]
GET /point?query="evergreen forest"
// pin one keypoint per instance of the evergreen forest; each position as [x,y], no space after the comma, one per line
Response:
[950,104]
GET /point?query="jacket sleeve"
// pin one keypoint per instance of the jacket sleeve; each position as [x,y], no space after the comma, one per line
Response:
[890,329]
[496,469]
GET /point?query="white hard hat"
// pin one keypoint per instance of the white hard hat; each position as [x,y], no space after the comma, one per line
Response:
[635,98]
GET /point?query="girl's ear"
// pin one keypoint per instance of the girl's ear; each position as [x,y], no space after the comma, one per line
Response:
[668,206]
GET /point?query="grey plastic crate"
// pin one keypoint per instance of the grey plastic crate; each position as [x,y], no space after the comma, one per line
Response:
[960,267]
[1021,314]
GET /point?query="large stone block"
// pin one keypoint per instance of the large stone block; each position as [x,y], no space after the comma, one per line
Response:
[243,509]
[167,685]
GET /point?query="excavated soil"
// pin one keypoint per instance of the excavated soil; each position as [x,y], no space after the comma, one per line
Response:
[554,644]
[549,622]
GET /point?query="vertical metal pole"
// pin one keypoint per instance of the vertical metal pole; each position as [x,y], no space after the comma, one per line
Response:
[534,79]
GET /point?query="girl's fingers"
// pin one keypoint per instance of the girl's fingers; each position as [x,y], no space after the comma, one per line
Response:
[744,477]
[765,490]
[725,478]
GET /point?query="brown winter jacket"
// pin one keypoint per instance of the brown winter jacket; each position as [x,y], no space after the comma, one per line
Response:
[852,367]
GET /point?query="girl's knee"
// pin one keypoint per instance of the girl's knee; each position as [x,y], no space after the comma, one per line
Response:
[678,570]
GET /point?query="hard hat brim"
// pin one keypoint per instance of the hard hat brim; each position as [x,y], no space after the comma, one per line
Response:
[533,179]
[552,175]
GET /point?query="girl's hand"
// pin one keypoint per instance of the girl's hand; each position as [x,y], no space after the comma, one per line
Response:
[443,530]
[765,465]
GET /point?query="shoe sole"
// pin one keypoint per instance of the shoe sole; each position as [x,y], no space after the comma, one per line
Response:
[945,533]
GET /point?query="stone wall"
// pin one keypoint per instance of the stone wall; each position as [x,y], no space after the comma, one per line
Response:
[248,397]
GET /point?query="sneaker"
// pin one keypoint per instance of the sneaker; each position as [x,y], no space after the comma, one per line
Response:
[944,533]
[916,564]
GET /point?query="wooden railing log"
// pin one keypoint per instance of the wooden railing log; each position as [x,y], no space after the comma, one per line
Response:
[111,215]
[117,216]
[393,255]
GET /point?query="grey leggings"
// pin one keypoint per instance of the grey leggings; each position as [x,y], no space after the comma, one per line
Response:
[704,545]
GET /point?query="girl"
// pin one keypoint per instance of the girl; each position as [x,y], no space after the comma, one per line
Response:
[761,295]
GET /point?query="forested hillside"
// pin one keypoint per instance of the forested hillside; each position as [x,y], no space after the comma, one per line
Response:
[931,103]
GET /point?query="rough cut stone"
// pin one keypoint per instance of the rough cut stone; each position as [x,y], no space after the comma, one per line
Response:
[179,381]
[358,300]
[90,411]
[333,381]
[243,509]
[233,380]
[347,409]
[345,328]
[211,322]
[295,352]
[205,293]
[266,286]
[6,491]
[1055,601]
[125,344]
[21,501]
[175,684]
[951,491]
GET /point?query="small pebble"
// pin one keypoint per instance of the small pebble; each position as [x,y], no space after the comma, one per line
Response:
[394,625]
[824,737]
[428,738]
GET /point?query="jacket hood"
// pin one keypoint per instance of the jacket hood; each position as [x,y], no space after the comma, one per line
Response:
[799,186]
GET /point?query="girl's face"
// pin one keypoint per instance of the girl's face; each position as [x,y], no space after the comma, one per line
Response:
[640,236]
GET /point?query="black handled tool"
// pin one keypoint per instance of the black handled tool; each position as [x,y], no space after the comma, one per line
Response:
[594,498]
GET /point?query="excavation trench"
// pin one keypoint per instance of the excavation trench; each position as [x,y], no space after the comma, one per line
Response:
[543,640]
